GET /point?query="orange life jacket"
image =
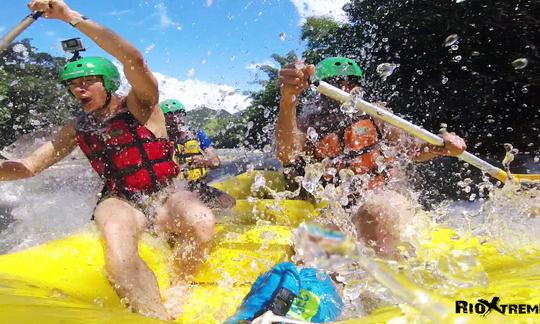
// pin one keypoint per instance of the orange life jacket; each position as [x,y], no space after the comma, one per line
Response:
[359,148]
[127,155]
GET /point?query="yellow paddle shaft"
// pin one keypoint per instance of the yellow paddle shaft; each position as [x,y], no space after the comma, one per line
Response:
[15,31]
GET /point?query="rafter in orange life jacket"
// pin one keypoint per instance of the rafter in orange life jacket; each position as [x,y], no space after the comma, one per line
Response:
[356,147]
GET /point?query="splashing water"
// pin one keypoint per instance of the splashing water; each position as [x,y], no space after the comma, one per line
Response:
[312,134]
[258,183]
[386,69]
[451,40]
[313,174]
[520,63]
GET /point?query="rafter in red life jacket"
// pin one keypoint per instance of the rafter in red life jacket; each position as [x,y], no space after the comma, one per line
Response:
[127,155]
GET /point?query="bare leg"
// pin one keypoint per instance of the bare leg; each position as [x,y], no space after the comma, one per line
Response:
[185,215]
[380,219]
[121,225]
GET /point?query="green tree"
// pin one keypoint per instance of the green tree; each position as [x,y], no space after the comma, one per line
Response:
[30,94]
[324,37]
[259,118]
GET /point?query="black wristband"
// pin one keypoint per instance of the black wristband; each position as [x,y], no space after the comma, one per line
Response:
[77,20]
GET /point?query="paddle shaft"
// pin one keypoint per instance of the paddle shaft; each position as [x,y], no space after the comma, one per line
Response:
[17,30]
[382,114]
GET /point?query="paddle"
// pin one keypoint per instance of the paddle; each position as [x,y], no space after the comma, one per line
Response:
[379,113]
[15,31]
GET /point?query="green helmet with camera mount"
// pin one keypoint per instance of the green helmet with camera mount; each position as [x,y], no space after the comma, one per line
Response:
[336,67]
[92,66]
[171,105]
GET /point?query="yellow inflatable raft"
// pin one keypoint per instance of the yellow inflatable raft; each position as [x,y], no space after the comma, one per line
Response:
[63,281]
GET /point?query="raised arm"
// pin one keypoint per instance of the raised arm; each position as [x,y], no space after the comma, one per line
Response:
[143,84]
[46,155]
[289,139]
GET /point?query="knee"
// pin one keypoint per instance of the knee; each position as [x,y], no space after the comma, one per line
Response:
[182,203]
[113,213]
[185,209]
[202,220]
[205,227]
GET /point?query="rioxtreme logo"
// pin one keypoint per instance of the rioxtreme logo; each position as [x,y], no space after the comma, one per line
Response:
[484,308]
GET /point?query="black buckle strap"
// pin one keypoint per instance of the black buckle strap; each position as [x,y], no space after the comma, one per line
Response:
[282,301]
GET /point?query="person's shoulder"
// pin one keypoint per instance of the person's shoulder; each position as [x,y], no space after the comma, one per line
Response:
[200,132]
[203,136]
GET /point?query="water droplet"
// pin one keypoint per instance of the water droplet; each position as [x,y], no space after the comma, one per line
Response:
[313,173]
[520,63]
[99,301]
[454,47]
[282,36]
[451,40]
[456,58]
[267,149]
[348,108]
[312,134]
[444,80]
[509,156]
[149,48]
[386,69]
[524,89]
[419,72]
[258,183]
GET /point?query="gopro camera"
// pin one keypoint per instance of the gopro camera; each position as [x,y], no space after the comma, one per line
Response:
[73,45]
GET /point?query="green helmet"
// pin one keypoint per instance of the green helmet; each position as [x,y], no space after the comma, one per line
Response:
[337,66]
[90,66]
[171,105]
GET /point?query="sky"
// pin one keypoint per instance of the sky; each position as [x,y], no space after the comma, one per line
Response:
[203,52]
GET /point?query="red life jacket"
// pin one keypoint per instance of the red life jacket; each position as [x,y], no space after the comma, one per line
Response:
[358,146]
[127,155]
